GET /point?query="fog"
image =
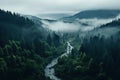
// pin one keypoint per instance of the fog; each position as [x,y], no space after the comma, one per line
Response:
[77,25]
[61,26]
[95,22]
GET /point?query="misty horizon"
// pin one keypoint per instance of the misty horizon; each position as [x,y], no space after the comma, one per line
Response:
[35,7]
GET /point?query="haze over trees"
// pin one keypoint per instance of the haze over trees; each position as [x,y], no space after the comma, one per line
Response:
[26,47]
[97,58]
[22,57]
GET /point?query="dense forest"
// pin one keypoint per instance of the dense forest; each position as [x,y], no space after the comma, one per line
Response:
[26,48]
[12,25]
[23,57]
[97,59]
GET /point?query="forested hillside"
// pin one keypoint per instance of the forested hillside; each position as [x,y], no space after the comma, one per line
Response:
[12,25]
[24,51]
[97,58]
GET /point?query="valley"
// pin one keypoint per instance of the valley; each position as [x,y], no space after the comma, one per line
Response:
[84,46]
[49,70]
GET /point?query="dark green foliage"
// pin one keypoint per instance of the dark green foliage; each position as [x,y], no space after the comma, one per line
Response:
[24,53]
[24,62]
[56,39]
[98,59]
[13,18]
[12,26]
[18,63]
[106,51]
[53,39]
[80,67]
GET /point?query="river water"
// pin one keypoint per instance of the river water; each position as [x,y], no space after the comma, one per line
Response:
[49,70]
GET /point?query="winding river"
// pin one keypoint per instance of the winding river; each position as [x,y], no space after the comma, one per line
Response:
[49,70]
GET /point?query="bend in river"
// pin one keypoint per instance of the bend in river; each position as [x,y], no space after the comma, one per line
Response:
[49,70]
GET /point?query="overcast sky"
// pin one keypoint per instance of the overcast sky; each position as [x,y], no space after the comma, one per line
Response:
[56,6]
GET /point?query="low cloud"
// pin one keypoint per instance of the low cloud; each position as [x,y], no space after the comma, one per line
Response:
[61,26]
[77,25]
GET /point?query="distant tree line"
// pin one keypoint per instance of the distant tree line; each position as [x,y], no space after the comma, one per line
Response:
[114,23]
[13,18]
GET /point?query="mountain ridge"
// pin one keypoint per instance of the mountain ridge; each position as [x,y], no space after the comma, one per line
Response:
[88,14]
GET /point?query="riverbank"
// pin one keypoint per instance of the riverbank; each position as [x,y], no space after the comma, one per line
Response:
[49,70]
